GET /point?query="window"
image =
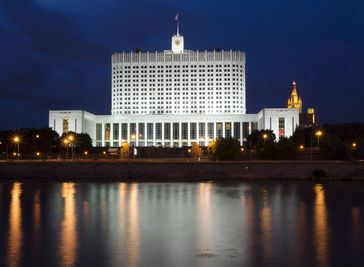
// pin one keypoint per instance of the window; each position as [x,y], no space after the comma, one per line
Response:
[237,130]
[132,130]
[124,131]
[175,130]
[184,130]
[193,130]
[98,131]
[65,125]
[141,131]
[115,127]
[254,126]
[158,131]
[245,130]
[201,130]
[107,131]
[150,130]
[227,129]
[218,130]
[167,131]
[210,130]
[281,126]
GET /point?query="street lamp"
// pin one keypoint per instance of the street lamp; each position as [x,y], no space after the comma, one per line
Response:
[301,147]
[71,143]
[354,145]
[35,143]
[318,134]
[16,140]
[65,142]
[265,136]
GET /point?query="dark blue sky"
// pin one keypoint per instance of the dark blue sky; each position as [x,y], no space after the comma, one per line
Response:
[56,54]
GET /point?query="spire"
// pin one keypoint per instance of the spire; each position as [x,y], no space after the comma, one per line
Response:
[294,88]
[294,101]
[177,19]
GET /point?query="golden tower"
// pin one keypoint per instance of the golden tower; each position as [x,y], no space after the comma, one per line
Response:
[295,101]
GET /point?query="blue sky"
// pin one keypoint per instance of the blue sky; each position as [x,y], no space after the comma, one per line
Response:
[55,54]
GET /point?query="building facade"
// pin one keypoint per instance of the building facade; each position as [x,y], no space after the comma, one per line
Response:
[174,98]
[307,119]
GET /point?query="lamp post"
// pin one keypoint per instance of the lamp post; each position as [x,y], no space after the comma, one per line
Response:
[133,145]
[265,136]
[17,141]
[35,144]
[71,143]
[318,134]
[65,142]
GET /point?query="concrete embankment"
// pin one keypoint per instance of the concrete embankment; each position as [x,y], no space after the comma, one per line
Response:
[181,171]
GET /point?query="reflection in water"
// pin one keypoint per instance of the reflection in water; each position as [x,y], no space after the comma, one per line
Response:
[204,217]
[248,222]
[36,224]
[321,229]
[356,228]
[37,214]
[266,225]
[68,242]
[133,246]
[15,231]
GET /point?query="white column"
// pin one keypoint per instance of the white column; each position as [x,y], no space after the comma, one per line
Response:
[180,134]
[119,136]
[214,123]
[103,134]
[154,134]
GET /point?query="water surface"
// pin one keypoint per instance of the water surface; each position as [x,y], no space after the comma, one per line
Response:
[181,224]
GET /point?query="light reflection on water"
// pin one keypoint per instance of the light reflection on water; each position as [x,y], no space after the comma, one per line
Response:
[181,224]
[68,240]
[321,231]
[15,228]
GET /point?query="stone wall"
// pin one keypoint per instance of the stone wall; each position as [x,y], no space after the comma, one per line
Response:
[182,171]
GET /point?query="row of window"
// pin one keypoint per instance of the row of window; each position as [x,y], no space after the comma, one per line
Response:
[177,66]
[175,130]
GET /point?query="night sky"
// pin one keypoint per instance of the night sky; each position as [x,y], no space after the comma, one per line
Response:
[55,54]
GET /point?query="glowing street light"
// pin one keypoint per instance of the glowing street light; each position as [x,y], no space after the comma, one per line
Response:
[265,136]
[354,145]
[318,134]
[71,139]
[16,140]
[133,145]
[301,147]
[65,142]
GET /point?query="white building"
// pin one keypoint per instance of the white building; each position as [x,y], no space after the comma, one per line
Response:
[174,98]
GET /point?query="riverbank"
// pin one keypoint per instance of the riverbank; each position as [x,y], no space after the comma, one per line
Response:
[181,171]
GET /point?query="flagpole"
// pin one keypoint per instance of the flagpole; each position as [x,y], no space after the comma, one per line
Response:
[177,18]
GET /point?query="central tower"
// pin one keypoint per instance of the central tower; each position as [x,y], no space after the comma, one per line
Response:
[177,40]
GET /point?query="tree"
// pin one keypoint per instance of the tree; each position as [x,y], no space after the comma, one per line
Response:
[211,150]
[196,151]
[227,149]
[285,149]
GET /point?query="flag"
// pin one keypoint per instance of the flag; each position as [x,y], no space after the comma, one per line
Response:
[176,18]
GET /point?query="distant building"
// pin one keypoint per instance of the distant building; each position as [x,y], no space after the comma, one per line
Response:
[294,101]
[173,98]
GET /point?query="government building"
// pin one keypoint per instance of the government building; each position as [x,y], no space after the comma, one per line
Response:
[173,98]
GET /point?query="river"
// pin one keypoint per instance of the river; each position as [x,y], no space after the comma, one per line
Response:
[181,224]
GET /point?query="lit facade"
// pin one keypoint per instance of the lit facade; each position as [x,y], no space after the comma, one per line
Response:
[173,98]
[294,101]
